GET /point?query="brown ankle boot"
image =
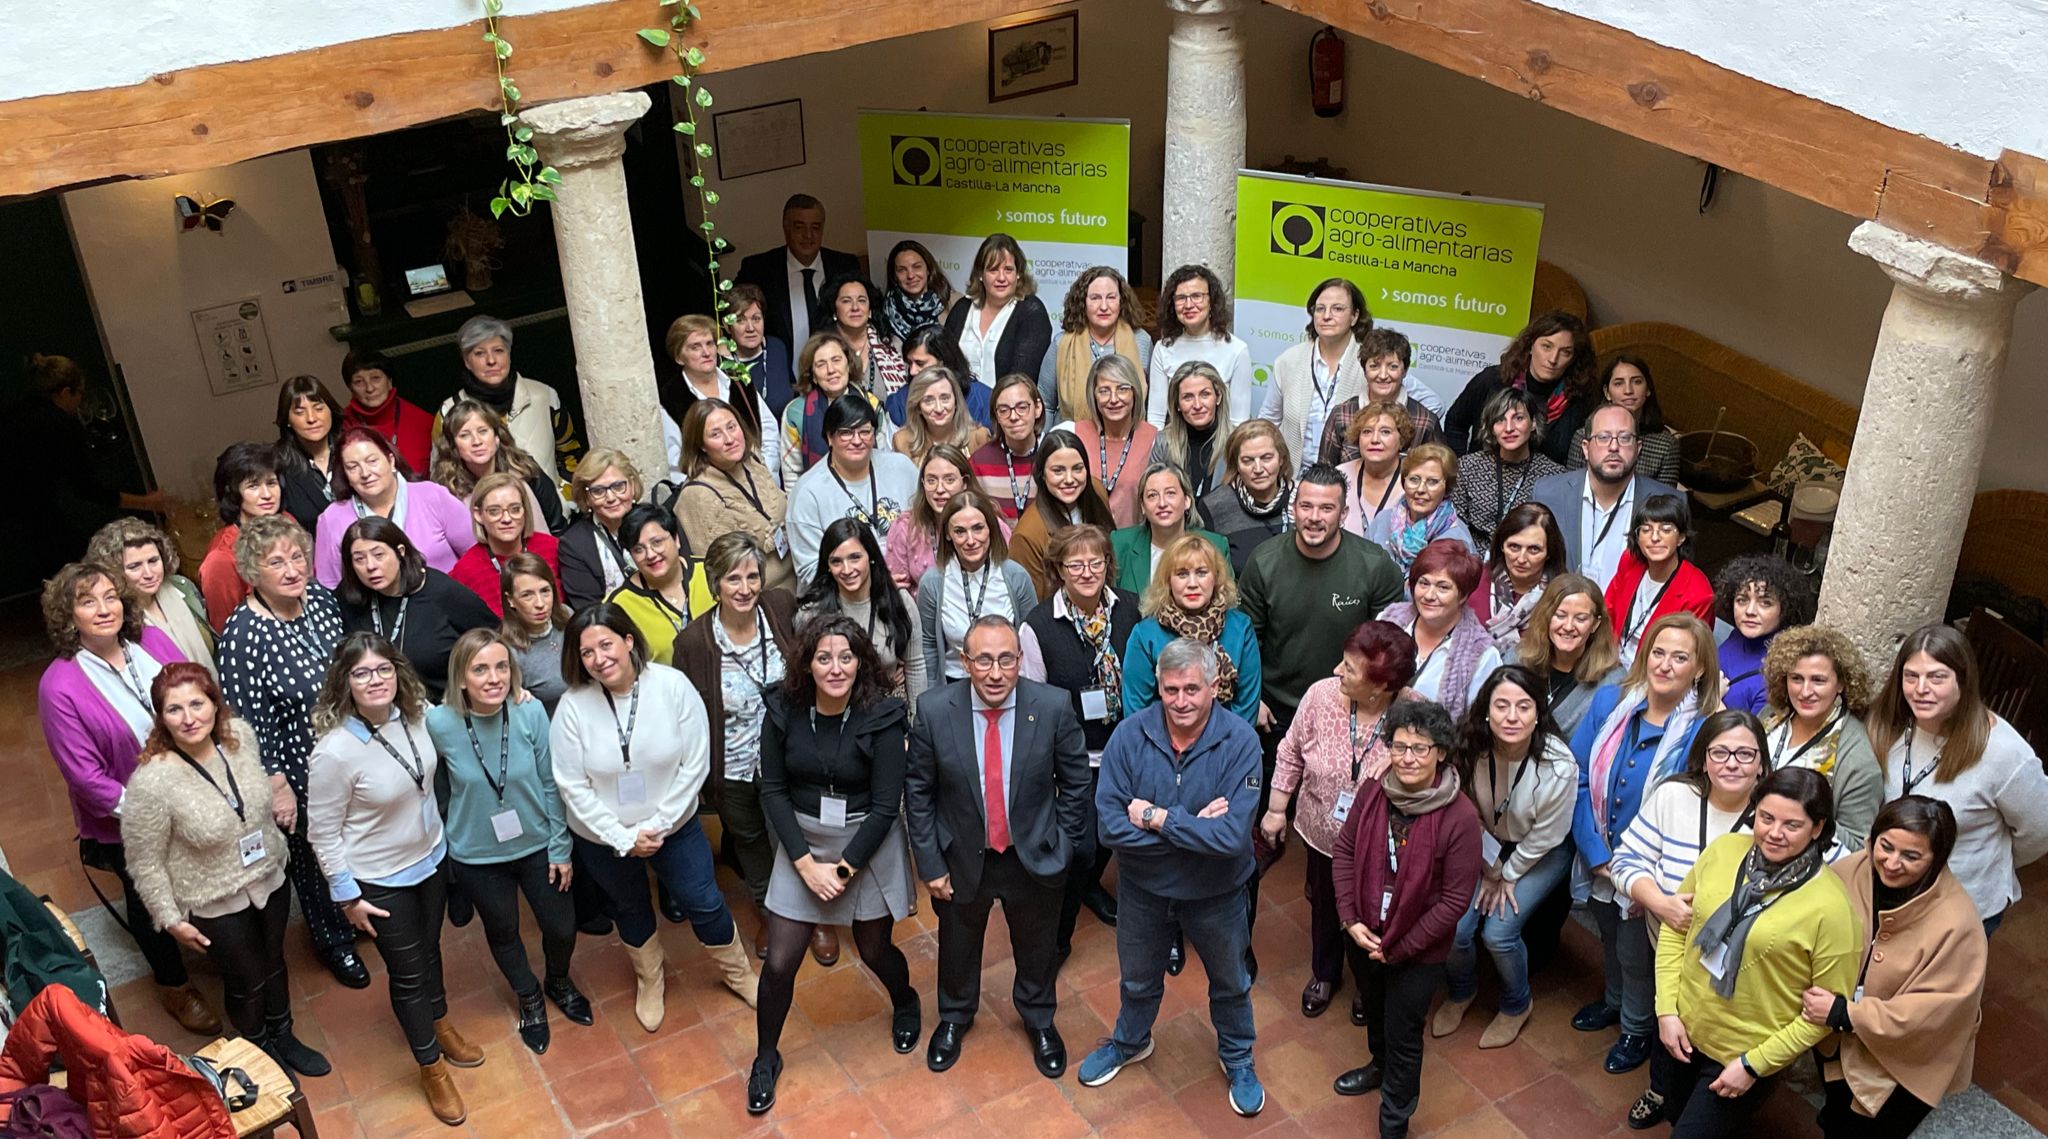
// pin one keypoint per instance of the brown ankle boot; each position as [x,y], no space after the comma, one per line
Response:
[442,1095]
[189,1009]
[454,1048]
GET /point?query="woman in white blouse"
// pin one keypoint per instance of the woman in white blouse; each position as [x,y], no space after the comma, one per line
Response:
[631,747]
[373,822]
[974,578]
[1000,325]
[1321,372]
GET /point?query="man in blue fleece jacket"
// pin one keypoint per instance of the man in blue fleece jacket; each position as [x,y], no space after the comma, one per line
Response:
[1176,799]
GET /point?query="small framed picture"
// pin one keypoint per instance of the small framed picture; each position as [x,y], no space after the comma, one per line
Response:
[755,140]
[1030,56]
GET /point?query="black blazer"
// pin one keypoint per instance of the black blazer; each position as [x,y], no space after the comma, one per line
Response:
[1024,342]
[582,572]
[1051,808]
[769,271]
[436,613]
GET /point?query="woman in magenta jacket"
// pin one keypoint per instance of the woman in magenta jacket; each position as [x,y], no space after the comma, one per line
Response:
[1654,578]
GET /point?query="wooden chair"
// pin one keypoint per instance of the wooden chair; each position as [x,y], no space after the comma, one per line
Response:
[2012,674]
[278,1100]
[77,937]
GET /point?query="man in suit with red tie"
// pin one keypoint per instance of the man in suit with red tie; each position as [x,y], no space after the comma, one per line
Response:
[996,802]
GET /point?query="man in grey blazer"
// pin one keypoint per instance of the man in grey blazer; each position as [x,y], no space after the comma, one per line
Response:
[997,804]
[1593,507]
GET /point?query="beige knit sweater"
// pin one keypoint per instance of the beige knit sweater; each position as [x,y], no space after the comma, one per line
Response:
[183,840]
[713,506]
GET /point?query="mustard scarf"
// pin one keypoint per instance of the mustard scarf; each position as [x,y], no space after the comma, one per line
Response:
[1075,360]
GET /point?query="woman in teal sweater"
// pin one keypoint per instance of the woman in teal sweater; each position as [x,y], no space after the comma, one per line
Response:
[1192,595]
[1166,509]
[1768,922]
[506,828]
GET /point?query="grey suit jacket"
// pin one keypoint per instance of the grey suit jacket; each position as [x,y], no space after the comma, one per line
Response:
[1565,493]
[1051,808]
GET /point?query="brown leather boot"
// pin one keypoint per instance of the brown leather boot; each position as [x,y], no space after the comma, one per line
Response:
[443,1097]
[189,1009]
[825,945]
[455,1049]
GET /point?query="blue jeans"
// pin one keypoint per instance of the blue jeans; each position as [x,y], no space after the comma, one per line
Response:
[1215,928]
[1503,936]
[1631,967]
[683,864]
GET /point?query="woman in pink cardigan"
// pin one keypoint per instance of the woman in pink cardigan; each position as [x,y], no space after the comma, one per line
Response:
[95,709]
[371,482]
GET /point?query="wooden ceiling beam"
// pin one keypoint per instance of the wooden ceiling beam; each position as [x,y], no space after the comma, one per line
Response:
[210,116]
[1996,210]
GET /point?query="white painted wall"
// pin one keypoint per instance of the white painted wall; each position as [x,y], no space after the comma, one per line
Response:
[146,276]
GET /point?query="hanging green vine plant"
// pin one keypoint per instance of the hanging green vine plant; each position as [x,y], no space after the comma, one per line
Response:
[682,15]
[531,182]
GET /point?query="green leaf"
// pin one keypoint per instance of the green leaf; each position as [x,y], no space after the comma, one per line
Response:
[705,226]
[498,207]
[544,193]
[686,127]
[511,92]
[494,8]
[512,151]
[723,286]
[507,119]
[691,11]
[703,150]
[697,181]
[656,36]
[694,57]
[503,49]
[703,97]
[721,245]
[681,80]
[549,175]
[523,134]
[710,197]
[490,37]
[522,194]
[712,265]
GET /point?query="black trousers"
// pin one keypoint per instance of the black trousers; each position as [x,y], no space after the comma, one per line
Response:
[1695,1112]
[324,920]
[1396,1004]
[1899,1117]
[409,941]
[1329,947]
[753,847]
[494,888]
[1032,910]
[160,949]
[248,951]
[1082,878]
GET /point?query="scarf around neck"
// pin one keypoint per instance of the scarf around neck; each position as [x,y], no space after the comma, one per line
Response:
[1077,357]
[1467,644]
[1206,627]
[1819,753]
[1607,744]
[1509,614]
[1758,886]
[905,314]
[1282,504]
[498,399]
[1408,534]
[1430,798]
[1553,404]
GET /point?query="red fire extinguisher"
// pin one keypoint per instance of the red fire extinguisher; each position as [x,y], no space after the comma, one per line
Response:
[1326,73]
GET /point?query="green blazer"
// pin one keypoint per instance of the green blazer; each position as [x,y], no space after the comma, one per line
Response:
[1132,546]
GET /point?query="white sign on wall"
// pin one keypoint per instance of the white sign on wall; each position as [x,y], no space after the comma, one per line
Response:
[234,346]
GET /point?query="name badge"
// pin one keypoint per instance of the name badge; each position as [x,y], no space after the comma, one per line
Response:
[1342,810]
[1094,704]
[505,824]
[832,810]
[781,540]
[632,789]
[1857,995]
[1095,759]
[1489,847]
[1386,905]
[252,848]
[1715,961]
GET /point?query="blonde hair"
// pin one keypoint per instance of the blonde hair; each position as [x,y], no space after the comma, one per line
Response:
[1121,370]
[1436,453]
[597,462]
[1599,657]
[1708,686]
[467,646]
[1176,432]
[1188,548]
[113,541]
[920,439]
[500,480]
[1376,410]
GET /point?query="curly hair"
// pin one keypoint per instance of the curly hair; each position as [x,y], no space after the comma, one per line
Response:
[1793,591]
[1170,326]
[870,682]
[60,597]
[1074,312]
[113,541]
[336,702]
[1795,643]
[1581,378]
[1371,412]
[260,535]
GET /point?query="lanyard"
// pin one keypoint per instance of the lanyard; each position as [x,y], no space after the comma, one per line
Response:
[1559,692]
[867,516]
[504,754]
[1102,465]
[1509,497]
[417,769]
[626,730]
[397,626]
[233,793]
[132,684]
[1607,526]
[1632,629]
[1422,665]
[1742,819]
[739,658]
[1021,493]
[1786,740]
[748,492]
[293,627]
[974,601]
[1493,782]
[675,617]
[1394,819]
[829,760]
[1357,756]
[1913,781]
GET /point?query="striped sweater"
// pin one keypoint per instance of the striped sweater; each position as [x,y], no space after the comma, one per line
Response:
[1665,839]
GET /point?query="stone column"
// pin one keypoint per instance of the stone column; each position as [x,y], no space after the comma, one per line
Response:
[1204,137]
[585,139]
[1927,408]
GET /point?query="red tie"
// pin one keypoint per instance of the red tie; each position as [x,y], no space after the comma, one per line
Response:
[992,781]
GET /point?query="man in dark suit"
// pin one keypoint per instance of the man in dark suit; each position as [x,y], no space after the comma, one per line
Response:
[996,802]
[793,277]
[1593,509]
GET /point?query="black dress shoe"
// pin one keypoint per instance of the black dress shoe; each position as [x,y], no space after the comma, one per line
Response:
[761,1084]
[572,1002]
[1596,1016]
[1102,904]
[944,1051]
[671,908]
[1048,1051]
[1358,1010]
[1176,957]
[1315,998]
[533,1024]
[1358,1081]
[906,1024]
[347,967]
[460,908]
[1628,1054]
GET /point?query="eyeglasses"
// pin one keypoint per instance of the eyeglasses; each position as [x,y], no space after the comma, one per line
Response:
[1006,410]
[1087,566]
[854,435]
[1419,751]
[1742,755]
[383,671]
[985,662]
[652,545]
[610,489]
[296,560]
[1181,299]
[1330,310]
[1421,482]
[494,513]
[1614,438]
[1657,530]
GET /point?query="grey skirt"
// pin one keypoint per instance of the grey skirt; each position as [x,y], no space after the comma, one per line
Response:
[883,888]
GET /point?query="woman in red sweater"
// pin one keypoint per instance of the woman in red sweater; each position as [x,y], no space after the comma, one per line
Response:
[1405,867]
[374,403]
[1654,577]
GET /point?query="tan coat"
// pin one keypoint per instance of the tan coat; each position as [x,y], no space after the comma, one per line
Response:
[714,505]
[1916,1026]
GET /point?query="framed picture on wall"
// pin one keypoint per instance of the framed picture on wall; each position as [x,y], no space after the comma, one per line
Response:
[755,140]
[1029,56]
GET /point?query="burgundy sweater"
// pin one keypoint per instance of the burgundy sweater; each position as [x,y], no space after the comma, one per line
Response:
[1440,867]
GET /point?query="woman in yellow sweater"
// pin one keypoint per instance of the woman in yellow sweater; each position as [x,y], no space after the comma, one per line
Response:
[1767,924]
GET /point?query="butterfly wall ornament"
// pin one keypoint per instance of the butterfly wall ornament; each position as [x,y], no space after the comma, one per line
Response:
[194,212]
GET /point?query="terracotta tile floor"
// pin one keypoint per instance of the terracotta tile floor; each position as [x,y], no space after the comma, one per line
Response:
[842,1079]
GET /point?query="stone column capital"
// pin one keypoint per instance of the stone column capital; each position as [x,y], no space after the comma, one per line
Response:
[1936,272]
[1204,7]
[579,132]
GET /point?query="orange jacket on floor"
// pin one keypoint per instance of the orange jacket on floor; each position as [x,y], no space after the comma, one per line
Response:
[131,1086]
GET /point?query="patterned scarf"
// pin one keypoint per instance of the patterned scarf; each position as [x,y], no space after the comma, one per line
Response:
[1727,929]
[1510,615]
[1206,627]
[1282,504]
[1552,407]
[1467,645]
[1607,744]
[905,314]
[1409,534]
[1820,753]
[1108,673]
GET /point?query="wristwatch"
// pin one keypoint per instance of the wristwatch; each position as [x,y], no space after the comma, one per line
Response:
[1146,817]
[843,870]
